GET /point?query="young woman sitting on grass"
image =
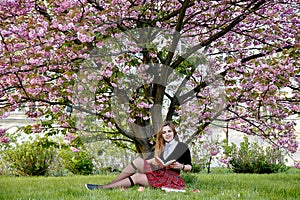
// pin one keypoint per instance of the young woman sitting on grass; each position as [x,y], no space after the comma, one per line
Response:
[150,172]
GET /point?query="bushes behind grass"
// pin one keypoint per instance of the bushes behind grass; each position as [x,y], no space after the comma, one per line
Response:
[253,158]
[77,162]
[30,158]
[37,157]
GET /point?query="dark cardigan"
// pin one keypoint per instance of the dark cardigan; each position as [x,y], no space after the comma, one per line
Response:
[181,154]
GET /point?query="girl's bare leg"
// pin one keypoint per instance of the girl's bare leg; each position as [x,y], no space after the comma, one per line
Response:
[122,179]
[136,165]
[136,179]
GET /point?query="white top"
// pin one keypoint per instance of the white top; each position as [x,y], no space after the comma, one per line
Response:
[169,148]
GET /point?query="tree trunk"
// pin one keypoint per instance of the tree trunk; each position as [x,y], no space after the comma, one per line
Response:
[208,165]
[142,134]
[144,148]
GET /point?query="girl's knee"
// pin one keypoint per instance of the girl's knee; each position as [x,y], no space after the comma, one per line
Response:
[140,179]
[139,162]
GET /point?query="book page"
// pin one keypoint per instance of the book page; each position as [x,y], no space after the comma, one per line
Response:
[162,163]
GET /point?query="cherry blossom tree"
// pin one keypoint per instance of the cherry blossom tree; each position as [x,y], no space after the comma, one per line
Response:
[79,62]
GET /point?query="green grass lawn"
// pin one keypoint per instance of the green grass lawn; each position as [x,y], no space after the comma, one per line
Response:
[216,186]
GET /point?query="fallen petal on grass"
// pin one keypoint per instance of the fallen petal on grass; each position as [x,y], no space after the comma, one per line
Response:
[123,188]
[196,190]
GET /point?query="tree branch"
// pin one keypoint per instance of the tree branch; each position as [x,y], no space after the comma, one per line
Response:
[259,55]
[218,35]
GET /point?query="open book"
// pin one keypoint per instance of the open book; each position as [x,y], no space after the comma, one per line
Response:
[162,164]
[172,189]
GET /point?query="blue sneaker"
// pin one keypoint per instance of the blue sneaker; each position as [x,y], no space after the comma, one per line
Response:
[91,186]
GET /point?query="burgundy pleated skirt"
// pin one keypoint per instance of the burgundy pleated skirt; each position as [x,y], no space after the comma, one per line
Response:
[163,177]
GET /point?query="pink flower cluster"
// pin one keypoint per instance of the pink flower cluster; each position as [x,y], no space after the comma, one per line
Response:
[3,137]
[36,128]
[214,150]
[74,149]
[297,164]
[144,105]
[225,160]
[69,138]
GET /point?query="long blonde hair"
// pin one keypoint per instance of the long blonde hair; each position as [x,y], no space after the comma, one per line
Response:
[160,143]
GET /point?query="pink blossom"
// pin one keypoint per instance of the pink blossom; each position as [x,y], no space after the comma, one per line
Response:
[55,109]
[107,73]
[37,128]
[205,145]
[110,125]
[73,149]
[199,137]
[32,34]
[69,137]
[2,131]
[146,117]
[65,125]
[114,85]
[297,165]
[213,151]
[4,139]
[144,105]
[225,160]
[130,120]
[84,38]
[109,115]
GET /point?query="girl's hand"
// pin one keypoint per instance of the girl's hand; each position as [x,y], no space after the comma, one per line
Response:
[152,161]
[176,165]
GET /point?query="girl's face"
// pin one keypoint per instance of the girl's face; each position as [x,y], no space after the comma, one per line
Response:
[167,134]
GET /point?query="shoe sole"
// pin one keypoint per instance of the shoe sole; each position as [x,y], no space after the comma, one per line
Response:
[86,186]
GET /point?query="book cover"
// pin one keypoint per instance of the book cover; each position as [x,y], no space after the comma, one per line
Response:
[162,164]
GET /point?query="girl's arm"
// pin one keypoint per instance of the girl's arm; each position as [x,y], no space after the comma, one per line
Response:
[181,166]
[152,161]
[186,168]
